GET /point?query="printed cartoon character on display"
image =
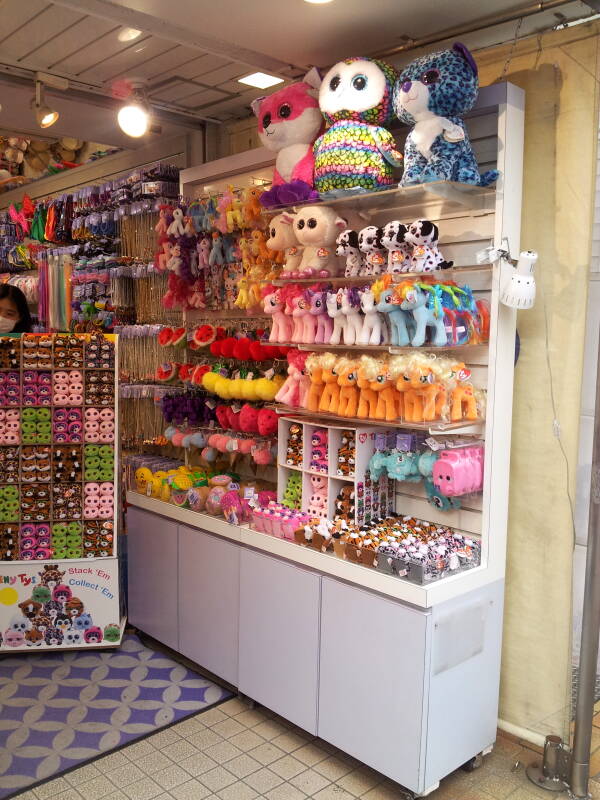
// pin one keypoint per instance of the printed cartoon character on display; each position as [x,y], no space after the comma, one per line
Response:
[432,94]
[289,121]
[356,152]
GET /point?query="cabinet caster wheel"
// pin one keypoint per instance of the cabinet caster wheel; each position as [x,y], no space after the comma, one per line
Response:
[473,763]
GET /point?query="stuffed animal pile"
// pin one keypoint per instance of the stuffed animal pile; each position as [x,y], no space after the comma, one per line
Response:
[412,312]
[356,152]
[417,388]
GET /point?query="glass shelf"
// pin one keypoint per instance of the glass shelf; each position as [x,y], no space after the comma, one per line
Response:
[448,196]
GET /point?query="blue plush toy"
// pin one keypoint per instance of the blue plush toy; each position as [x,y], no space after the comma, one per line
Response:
[432,94]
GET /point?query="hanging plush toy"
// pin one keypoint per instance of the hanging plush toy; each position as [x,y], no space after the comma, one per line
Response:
[356,152]
[288,123]
[432,94]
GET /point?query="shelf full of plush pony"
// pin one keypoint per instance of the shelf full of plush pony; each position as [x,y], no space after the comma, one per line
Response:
[418,391]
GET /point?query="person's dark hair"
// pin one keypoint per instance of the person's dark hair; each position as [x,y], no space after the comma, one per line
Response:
[16,296]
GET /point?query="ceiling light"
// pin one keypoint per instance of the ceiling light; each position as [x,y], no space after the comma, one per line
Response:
[44,115]
[318,2]
[260,80]
[128,34]
[134,116]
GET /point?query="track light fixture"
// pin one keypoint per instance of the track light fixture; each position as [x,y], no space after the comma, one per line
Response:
[134,116]
[44,114]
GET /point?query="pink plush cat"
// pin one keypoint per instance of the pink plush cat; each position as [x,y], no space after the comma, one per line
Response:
[289,121]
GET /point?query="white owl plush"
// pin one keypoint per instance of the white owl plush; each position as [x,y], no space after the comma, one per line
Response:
[356,152]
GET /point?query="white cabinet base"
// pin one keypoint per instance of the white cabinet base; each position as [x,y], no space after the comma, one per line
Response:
[411,692]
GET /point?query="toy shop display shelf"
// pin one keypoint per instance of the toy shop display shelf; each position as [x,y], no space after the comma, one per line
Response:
[437,198]
[481,272]
[469,353]
[464,428]
[422,596]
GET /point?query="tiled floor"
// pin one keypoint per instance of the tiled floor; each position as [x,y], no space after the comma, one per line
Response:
[234,753]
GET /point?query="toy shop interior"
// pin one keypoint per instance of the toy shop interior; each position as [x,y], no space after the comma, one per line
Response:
[296,422]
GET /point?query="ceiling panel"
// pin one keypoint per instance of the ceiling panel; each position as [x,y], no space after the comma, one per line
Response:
[107,45]
[75,38]
[38,31]
[125,62]
[16,13]
[163,62]
[196,67]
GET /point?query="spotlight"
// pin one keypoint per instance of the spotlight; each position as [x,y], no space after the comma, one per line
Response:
[45,116]
[518,291]
[134,116]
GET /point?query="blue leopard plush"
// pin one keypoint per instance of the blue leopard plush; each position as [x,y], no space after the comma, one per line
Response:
[432,94]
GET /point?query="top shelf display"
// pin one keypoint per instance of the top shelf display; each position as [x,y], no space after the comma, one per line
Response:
[446,197]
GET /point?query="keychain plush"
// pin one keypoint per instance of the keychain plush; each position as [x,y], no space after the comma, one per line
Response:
[289,121]
[432,94]
[356,151]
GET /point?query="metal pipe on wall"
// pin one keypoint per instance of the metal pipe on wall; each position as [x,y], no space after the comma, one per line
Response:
[590,628]
[512,15]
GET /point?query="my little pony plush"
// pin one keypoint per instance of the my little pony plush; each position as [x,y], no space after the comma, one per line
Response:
[288,123]
[356,152]
[432,94]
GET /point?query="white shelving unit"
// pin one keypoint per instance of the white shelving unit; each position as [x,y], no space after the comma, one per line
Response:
[442,640]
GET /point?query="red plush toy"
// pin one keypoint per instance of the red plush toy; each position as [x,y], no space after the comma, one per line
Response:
[243,348]
[267,422]
[227,346]
[249,419]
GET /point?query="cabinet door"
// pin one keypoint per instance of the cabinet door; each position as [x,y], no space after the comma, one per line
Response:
[279,637]
[371,679]
[152,575]
[209,576]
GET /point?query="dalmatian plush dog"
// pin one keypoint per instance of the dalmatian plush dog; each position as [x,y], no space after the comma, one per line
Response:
[432,94]
[423,235]
[347,246]
[369,242]
[399,249]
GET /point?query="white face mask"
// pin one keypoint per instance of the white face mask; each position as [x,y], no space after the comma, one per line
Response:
[6,325]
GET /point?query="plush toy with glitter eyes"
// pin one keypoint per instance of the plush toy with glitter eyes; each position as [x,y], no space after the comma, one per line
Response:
[356,152]
[432,94]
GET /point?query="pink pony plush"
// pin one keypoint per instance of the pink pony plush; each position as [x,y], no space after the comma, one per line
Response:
[294,391]
[292,296]
[289,121]
[273,304]
[322,328]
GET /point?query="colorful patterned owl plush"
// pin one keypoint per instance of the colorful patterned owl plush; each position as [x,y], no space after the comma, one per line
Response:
[432,94]
[356,152]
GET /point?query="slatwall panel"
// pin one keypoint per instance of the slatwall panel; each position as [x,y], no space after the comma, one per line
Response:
[15,14]
[75,38]
[38,31]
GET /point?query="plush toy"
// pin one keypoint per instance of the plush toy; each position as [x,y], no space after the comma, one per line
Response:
[282,236]
[295,390]
[334,310]
[347,372]
[372,331]
[329,401]
[432,94]
[317,228]
[427,311]
[356,152]
[370,243]
[423,235]
[289,121]
[347,247]
[350,297]
[395,240]
[382,400]
[274,304]
[400,321]
[317,306]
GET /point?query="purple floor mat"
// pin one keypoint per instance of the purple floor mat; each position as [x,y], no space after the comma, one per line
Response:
[58,710]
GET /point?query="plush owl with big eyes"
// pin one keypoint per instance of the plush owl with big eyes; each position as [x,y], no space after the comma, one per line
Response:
[356,151]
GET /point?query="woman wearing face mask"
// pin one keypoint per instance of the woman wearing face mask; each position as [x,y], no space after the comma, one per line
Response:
[14,311]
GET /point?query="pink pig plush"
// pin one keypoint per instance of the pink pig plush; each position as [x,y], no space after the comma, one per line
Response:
[289,121]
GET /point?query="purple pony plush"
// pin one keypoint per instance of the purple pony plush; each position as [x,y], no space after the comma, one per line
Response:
[317,305]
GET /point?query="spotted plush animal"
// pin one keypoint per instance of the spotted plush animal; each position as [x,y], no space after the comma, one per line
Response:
[356,152]
[423,235]
[432,94]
